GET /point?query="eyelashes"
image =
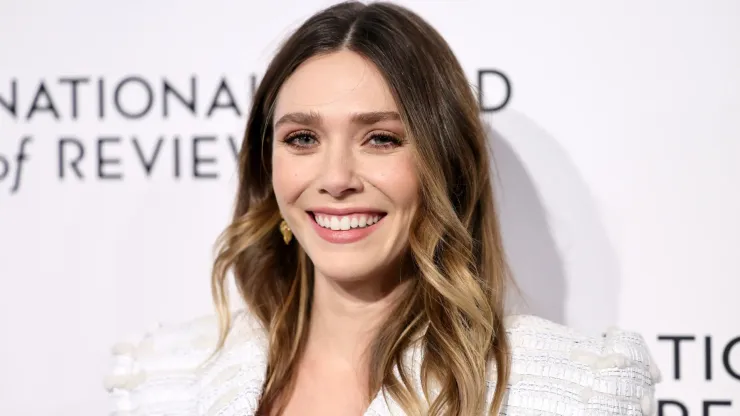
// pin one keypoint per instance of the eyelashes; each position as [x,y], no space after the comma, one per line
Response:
[304,139]
[299,139]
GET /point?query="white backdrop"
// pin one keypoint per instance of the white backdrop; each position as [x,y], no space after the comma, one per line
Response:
[618,159]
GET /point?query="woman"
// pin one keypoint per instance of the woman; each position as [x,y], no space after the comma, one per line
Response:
[366,247]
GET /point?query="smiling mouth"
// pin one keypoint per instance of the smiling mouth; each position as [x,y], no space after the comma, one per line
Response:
[347,222]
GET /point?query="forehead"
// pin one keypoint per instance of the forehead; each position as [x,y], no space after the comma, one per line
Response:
[334,85]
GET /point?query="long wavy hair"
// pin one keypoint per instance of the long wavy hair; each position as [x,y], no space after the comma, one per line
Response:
[455,257]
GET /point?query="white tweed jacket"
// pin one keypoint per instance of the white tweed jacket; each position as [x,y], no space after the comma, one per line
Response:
[555,371]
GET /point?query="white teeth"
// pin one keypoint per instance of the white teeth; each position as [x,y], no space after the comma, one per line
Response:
[346,222]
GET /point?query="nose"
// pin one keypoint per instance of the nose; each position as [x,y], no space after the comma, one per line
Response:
[339,174]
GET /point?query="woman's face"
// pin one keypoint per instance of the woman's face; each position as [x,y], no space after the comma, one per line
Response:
[343,169]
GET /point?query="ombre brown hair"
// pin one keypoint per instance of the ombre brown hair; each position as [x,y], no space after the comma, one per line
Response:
[455,259]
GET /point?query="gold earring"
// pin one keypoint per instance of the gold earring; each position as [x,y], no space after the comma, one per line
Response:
[286,232]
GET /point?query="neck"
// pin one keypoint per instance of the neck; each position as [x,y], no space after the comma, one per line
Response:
[345,317]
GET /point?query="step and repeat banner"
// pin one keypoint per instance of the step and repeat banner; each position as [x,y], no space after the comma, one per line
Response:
[617,154]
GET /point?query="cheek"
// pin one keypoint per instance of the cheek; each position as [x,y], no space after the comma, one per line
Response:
[397,178]
[287,180]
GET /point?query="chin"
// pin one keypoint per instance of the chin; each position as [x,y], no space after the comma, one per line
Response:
[346,269]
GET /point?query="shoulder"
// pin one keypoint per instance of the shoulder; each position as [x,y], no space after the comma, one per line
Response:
[163,370]
[557,368]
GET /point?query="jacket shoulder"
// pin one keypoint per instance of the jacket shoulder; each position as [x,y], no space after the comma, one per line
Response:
[559,370]
[161,371]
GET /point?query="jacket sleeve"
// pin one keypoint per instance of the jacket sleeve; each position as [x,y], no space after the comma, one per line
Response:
[623,375]
[557,370]
[157,373]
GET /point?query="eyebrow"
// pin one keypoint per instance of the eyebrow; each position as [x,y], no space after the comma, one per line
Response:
[314,119]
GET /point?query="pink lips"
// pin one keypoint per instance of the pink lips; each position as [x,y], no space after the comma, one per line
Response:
[343,236]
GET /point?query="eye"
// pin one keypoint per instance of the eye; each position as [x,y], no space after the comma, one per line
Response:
[384,140]
[301,139]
